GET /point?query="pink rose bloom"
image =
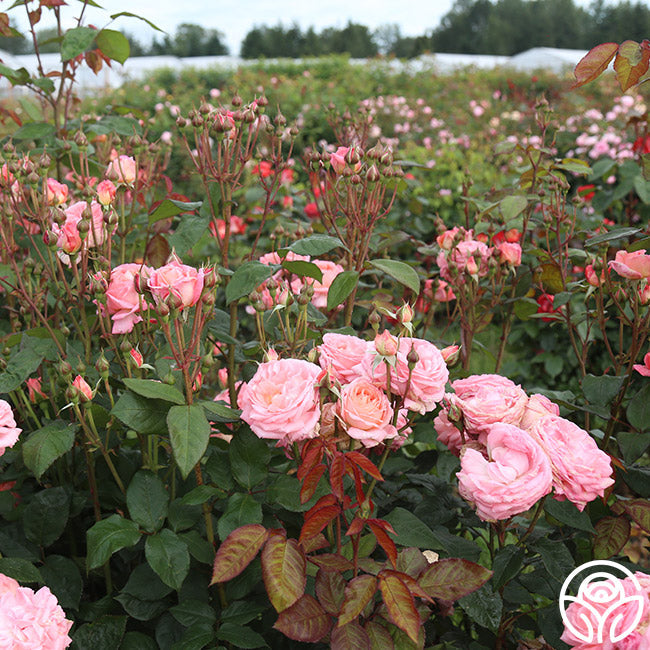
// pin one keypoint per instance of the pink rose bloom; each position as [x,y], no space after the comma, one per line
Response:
[122,170]
[311,210]
[448,433]
[97,231]
[55,193]
[330,270]
[634,266]
[68,237]
[123,302]
[488,399]
[337,159]
[581,471]
[469,255]
[9,432]
[281,401]
[106,192]
[537,407]
[84,390]
[446,239]
[274,258]
[592,277]
[181,281]
[514,476]
[645,368]
[595,598]
[30,621]
[443,293]
[341,355]
[366,413]
[509,253]
[386,344]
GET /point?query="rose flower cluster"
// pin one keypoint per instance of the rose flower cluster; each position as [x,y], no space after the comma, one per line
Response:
[372,387]
[516,448]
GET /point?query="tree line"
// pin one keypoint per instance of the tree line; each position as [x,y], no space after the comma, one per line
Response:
[502,27]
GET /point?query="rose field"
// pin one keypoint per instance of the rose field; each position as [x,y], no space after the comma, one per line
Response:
[319,354]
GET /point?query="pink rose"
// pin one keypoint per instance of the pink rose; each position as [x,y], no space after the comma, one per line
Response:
[448,433]
[386,344]
[122,170]
[281,401]
[274,258]
[487,399]
[84,391]
[9,432]
[595,599]
[581,471]
[342,354]
[183,282]
[330,270]
[447,238]
[69,239]
[366,413]
[34,389]
[337,159]
[469,256]
[55,193]
[634,266]
[645,368]
[509,253]
[106,192]
[514,476]
[123,302]
[31,620]
[311,210]
[537,407]
[97,231]
[592,277]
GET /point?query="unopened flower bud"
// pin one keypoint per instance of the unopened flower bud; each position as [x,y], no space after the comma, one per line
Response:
[102,365]
[385,344]
[65,368]
[412,357]
[451,354]
[355,179]
[83,391]
[136,357]
[236,101]
[372,175]
[405,314]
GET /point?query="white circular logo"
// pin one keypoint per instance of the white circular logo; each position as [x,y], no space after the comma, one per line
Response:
[604,601]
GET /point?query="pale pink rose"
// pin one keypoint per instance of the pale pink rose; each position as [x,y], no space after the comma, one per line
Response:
[342,354]
[450,354]
[366,413]
[9,432]
[446,239]
[634,266]
[337,159]
[97,231]
[122,170]
[106,192]
[55,193]
[448,433]
[69,239]
[31,621]
[386,344]
[581,471]
[592,277]
[84,391]
[34,389]
[330,270]
[595,599]
[487,399]
[443,293]
[468,255]
[281,401]
[514,476]
[123,302]
[537,407]
[509,253]
[183,282]
[645,368]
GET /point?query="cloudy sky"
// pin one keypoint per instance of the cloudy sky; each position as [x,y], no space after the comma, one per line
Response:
[235,19]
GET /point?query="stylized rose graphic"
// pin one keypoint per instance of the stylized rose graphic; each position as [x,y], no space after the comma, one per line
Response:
[606,606]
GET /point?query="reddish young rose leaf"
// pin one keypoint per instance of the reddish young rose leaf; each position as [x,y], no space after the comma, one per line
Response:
[331,562]
[593,63]
[639,510]
[364,463]
[310,483]
[411,561]
[237,552]
[411,583]
[330,590]
[327,500]
[358,483]
[317,521]
[312,454]
[630,64]
[304,621]
[385,525]
[314,544]
[356,526]
[611,535]
[337,471]
[358,594]
[384,541]
[284,570]
[349,636]
[400,604]
[453,578]
[380,638]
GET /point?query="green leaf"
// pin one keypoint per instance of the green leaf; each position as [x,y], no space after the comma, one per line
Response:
[246,279]
[316,245]
[220,412]
[142,414]
[241,509]
[566,512]
[130,15]
[303,269]
[108,536]
[556,558]
[574,165]
[201,494]
[45,445]
[35,131]
[168,556]
[506,565]
[638,409]
[114,45]
[600,391]
[138,641]
[76,41]
[170,208]
[240,636]
[46,515]
[104,634]
[484,607]
[633,444]
[400,271]
[642,187]
[16,77]
[249,458]
[21,365]
[62,576]
[512,206]
[189,433]
[147,500]
[144,584]
[342,286]
[612,235]
[194,612]
[601,167]
[20,570]
[154,390]
[411,531]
